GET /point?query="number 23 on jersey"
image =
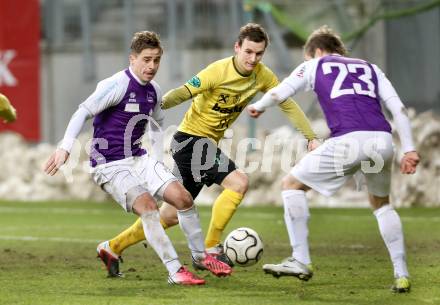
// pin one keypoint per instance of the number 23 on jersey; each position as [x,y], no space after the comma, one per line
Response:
[356,87]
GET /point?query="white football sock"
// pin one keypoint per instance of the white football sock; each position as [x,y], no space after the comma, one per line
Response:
[190,223]
[159,241]
[296,216]
[390,228]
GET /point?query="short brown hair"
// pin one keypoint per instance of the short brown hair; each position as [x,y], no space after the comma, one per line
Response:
[254,32]
[325,39]
[145,40]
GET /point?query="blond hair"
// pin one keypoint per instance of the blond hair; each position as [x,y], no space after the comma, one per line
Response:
[145,40]
[325,39]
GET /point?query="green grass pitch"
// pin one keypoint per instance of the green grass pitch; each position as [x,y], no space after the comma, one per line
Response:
[47,256]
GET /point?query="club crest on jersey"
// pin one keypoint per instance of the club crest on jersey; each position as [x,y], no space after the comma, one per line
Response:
[150,98]
[195,82]
[132,97]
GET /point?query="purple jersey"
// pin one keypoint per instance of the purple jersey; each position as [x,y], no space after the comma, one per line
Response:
[347,91]
[118,129]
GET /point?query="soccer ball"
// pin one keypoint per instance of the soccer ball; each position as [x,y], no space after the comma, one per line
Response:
[243,247]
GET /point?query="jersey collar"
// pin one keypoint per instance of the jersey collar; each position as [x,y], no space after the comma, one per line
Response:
[238,71]
[137,79]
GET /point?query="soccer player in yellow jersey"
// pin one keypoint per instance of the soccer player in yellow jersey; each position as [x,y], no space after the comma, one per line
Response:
[220,92]
[7,111]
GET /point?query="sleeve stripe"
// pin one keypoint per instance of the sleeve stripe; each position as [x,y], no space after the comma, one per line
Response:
[188,90]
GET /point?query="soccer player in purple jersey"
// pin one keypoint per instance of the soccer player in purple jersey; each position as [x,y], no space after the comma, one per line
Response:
[122,106]
[349,91]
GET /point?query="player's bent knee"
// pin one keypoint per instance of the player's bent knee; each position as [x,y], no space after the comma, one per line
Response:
[290,183]
[186,200]
[141,203]
[177,196]
[236,181]
[244,184]
[241,184]
[182,199]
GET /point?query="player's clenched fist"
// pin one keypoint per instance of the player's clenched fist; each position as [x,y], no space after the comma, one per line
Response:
[58,158]
[253,112]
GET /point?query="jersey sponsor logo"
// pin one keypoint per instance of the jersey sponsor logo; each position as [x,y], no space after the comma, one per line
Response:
[195,82]
[130,107]
[236,108]
[223,98]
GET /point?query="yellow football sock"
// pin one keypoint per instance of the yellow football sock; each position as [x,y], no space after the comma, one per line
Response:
[130,236]
[127,238]
[222,210]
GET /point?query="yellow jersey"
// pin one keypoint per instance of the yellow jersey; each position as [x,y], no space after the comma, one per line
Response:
[220,94]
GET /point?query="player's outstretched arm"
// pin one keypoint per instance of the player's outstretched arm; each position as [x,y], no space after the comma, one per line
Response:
[278,96]
[299,120]
[175,97]
[269,99]
[60,156]
[108,93]
[7,111]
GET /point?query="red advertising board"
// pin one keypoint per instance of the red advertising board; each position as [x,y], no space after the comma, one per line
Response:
[20,64]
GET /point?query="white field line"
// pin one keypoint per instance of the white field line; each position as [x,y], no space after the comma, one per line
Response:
[4,229]
[255,215]
[180,243]
[81,211]
[12,210]
[54,239]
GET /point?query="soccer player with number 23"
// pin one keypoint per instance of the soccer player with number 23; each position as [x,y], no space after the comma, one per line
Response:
[350,92]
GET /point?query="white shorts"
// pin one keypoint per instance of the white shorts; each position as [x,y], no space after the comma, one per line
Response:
[135,176]
[329,166]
